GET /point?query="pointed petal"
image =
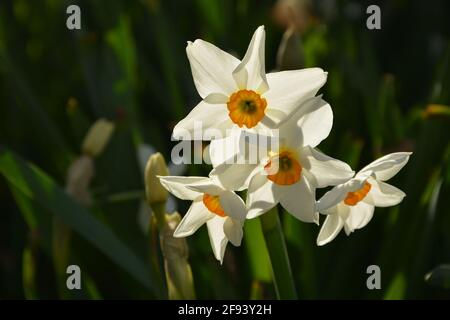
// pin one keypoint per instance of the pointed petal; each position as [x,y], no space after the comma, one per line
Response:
[222,150]
[309,124]
[233,205]
[211,68]
[209,185]
[233,231]
[217,237]
[235,176]
[178,186]
[299,199]
[330,229]
[204,116]
[196,216]
[316,125]
[260,196]
[289,89]
[216,98]
[251,72]
[326,171]
[338,193]
[382,194]
[359,216]
[388,166]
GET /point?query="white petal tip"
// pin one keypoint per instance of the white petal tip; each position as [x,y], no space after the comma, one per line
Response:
[236,244]
[178,234]
[181,234]
[253,214]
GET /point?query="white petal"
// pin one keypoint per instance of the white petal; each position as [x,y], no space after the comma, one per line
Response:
[316,124]
[309,124]
[251,72]
[382,194]
[204,116]
[196,216]
[233,205]
[289,89]
[222,150]
[211,68]
[298,199]
[327,171]
[260,196]
[330,229]
[217,237]
[338,193]
[216,98]
[178,186]
[210,186]
[388,166]
[235,176]
[233,231]
[359,216]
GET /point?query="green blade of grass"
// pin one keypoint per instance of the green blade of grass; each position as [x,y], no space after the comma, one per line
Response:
[35,184]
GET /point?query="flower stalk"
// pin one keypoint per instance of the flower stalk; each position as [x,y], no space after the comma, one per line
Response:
[276,246]
[179,279]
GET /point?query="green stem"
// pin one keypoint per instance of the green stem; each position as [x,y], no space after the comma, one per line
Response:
[281,269]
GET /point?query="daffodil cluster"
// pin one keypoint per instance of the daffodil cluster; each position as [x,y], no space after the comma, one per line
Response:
[239,99]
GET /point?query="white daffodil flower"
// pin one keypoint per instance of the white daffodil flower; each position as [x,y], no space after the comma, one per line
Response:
[239,94]
[290,173]
[351,205]
[222,210]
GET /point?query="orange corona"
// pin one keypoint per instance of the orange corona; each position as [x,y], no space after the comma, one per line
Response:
[246,108]
[353,198]
[212,203]
[289,169]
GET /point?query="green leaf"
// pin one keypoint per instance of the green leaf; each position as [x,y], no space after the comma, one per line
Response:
[29,274]
[35,184]
[397,288]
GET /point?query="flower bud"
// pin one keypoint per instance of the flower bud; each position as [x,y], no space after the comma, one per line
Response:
[97,137]
[155,192]
[180,282]
[79,176]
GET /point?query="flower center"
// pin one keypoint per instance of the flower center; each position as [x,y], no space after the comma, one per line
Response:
[246,108]
[284,168]
[353,198]
[213,204]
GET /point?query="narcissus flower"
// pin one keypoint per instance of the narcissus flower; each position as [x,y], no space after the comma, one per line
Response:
[222,210]
[239,94]
[351,205]
[290,173]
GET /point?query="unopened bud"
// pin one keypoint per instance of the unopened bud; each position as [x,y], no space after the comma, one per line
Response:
[180,283]
[155,192]
[79,176]
[97,137]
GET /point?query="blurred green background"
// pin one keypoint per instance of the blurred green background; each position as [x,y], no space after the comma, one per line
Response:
[389,90]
